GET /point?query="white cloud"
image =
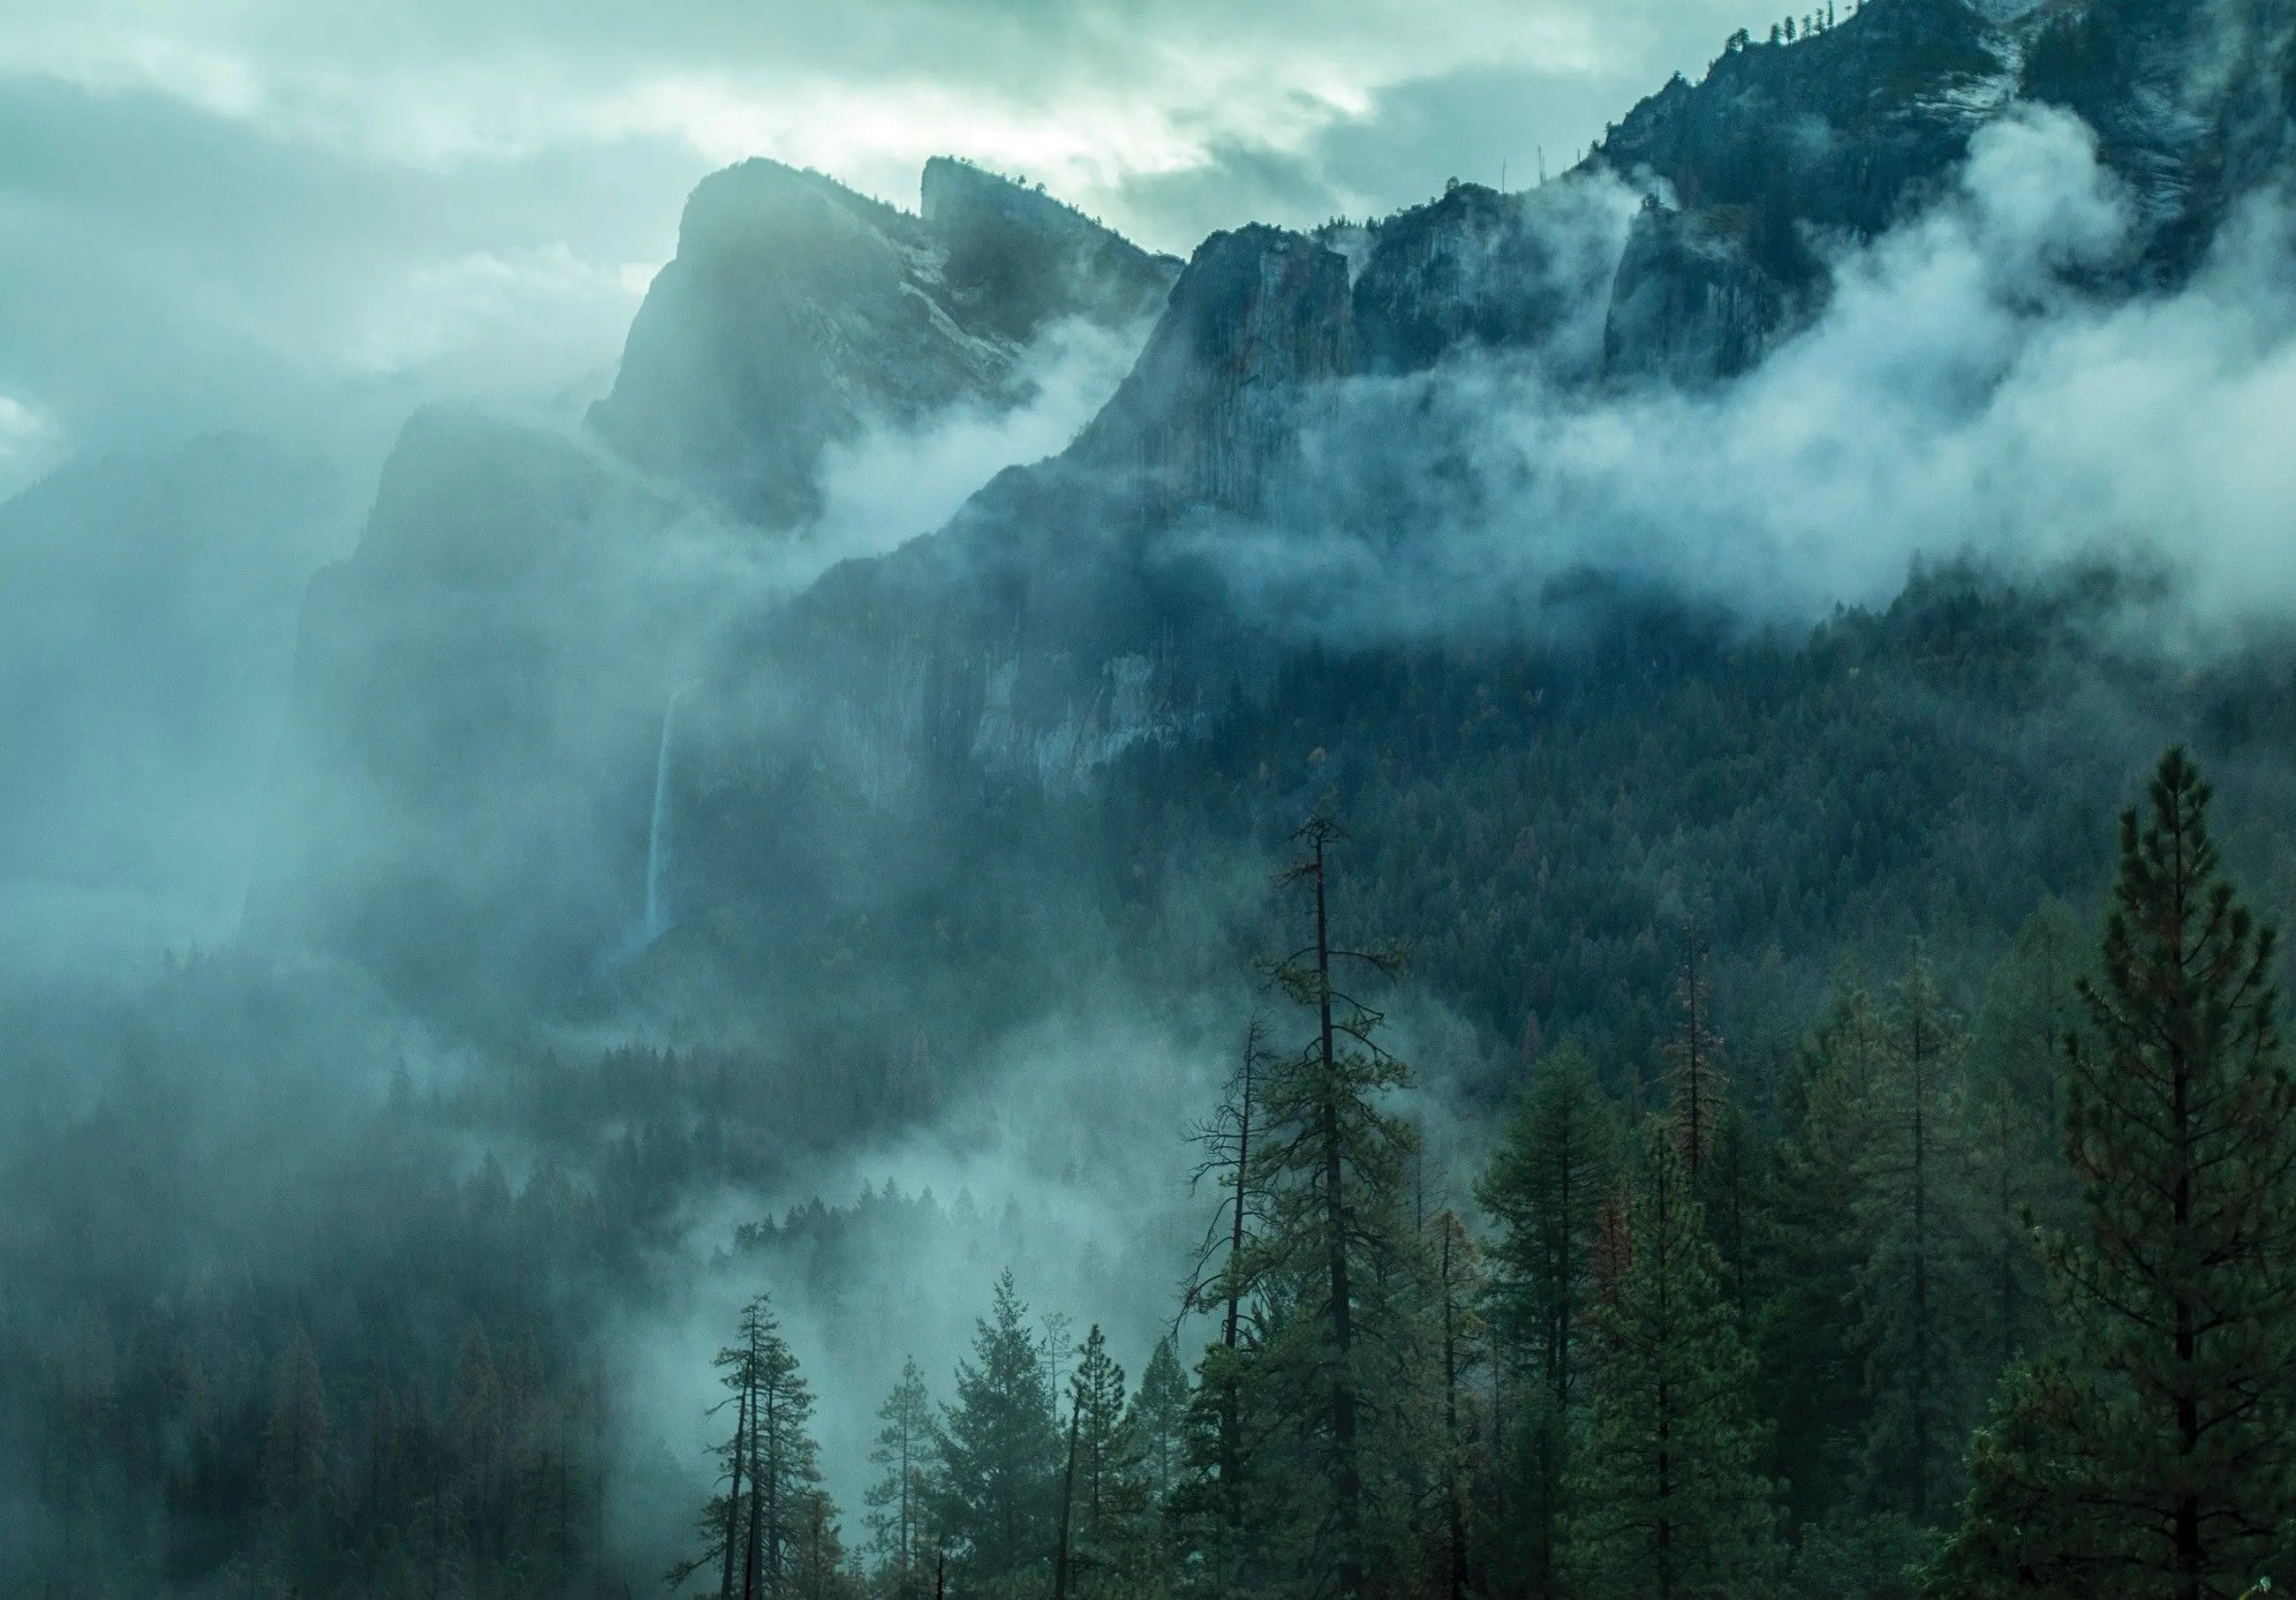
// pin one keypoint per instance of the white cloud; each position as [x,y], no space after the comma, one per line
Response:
[1962,392]
[30,443]
[1084,97]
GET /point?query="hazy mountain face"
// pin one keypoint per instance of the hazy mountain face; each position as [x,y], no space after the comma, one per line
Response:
[854,746]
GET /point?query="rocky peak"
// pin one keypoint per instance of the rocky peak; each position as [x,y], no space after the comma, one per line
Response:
[1691,303]
[1021,258]
[1495,271]
[1261,316]
[1837,130]
[798,313]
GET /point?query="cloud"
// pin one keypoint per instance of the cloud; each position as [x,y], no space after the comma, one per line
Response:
[1966,390]
[164,273]
[218,215]
[893,484]
[29,441]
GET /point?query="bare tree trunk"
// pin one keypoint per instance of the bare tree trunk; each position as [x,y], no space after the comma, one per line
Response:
[734,1495]
[1068,1503]
[1346,1478]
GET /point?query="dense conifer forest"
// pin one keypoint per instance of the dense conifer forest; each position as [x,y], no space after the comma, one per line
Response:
[864,892]
[1969,1290]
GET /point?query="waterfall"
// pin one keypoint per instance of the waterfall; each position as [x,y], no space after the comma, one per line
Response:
[657,829]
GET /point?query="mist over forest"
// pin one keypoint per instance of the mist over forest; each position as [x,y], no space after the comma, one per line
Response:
[925,802]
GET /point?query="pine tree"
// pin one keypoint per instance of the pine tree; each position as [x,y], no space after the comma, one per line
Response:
[1104,1499]
[1915,1289]
[1696,1084]
[896,1501]
[2155,1458]
[1669,1502]
[785,1473]
[1813,1374]
[1158,1423]
[1154,1449]
[998,1490]
[1221,1281]
[300,1531]
[817,1569]
[1335,1173]
[750,1531]
[1545,1191]
[1458,1285]
[297,1461]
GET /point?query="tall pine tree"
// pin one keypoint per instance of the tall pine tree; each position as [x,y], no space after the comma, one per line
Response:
[2157,1456]
[896,1501]
[1543,1190]
[996,1498]
[1670,1502]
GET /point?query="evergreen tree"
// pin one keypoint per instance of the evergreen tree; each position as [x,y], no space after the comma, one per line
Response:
[1543,1190]
[998,1490]
[785,1473]
[1106,1486]
[1670,1504]
[750,1531]
[1157,1425]
[299,1440]
[1334,1174]
[1153,1446]
[299,1530]
[1221,1290]
[817,1566]
[1458,1285]
[1916,1291]
[1696,1086]
[898,1500]
[1812,1383]
[2155,1456]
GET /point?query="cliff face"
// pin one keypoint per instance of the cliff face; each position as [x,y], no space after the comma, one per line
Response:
[470,687]
[480,670]
[1786,148]
[2193,102]
[796,312]
[1016,260]
[1480,269]
[1258,322]
[1690,302]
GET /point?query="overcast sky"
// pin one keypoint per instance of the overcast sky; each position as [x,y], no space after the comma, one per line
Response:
[254,212]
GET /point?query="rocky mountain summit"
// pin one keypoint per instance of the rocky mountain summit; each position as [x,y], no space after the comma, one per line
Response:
[1066,614]
[798,313]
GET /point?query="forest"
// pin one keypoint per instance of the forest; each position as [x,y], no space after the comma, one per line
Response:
[1953,1301]
[852,888]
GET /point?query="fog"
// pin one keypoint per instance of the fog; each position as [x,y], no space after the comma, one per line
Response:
[380,959]
[1969,390]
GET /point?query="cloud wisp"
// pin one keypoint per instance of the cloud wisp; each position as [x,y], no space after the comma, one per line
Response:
[1966,391]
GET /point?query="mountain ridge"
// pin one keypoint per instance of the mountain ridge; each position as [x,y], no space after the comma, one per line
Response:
[1067,614]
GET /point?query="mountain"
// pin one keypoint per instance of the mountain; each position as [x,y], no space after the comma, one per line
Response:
[479,687]
[525,658]
[797,313]
[1787,150]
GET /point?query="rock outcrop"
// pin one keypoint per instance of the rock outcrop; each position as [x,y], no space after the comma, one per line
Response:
[1691,303]
[1260,320]
[1068,613]
[797,313]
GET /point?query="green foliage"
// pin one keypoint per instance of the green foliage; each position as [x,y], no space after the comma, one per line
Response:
[899,1531]
[1669,1502]
[1108,1499]
[2154,1455]
[1543,1190]
[1157,1424]
[998,1488]
[1915,1289]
